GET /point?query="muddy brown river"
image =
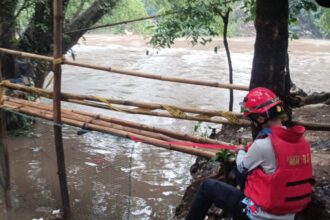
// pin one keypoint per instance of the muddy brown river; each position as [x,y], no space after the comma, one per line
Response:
[115,178]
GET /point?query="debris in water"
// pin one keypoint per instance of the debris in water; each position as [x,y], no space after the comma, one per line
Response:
[44,209]
[82,131]
[36,149]
[99,160]
[56,212]
[91,164]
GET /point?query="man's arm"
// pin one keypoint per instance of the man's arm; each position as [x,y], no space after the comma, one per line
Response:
[247,161]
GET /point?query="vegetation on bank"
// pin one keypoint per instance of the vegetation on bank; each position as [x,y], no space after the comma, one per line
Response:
[314,23]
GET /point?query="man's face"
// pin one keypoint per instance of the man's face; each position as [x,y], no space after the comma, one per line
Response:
[259,120]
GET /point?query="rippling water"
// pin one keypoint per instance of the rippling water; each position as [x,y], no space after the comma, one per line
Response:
[99,165]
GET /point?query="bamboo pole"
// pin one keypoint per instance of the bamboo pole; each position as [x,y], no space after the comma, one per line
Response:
[173,134]
[145,139]
[91,120]
[160,114]
[81,99]
[130,72]
[313,126]
[5,165]
[57,69]
[155,106]
[143,105]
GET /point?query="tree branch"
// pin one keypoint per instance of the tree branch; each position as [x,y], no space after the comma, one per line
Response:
[88,18]
[122,22]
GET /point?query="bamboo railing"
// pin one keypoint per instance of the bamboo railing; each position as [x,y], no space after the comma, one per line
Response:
[126,72]
[98,123]
[172,134]
[142,108]
[148,108]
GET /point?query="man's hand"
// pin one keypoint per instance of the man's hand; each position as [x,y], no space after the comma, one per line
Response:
[240,147]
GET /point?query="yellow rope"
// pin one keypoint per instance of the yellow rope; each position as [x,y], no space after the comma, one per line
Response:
[174,111]
[104,100]
[230,117]
[58,60]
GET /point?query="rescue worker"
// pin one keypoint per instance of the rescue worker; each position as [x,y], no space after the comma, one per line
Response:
[277,165]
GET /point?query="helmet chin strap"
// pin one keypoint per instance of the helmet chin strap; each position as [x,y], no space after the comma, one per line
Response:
[260,122]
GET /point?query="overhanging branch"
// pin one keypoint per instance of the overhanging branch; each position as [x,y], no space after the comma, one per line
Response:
[120,23]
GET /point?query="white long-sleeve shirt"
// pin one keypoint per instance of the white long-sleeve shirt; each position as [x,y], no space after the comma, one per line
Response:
[260,154]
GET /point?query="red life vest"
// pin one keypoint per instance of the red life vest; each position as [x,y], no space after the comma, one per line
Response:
[289,188]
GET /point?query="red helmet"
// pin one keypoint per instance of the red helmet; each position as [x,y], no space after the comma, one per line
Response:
[259,101]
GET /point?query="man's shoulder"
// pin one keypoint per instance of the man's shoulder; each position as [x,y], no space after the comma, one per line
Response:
[263,143]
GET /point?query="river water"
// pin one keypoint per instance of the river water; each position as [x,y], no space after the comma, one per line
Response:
[114,178]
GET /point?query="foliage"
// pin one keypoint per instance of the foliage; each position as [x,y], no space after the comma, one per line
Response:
[303,16]
[18,124]
[196,20]
[296,9]
[158,6]
[224,156]
[249,8]
[324,22]
[76,7]
[126,10]
[24,12]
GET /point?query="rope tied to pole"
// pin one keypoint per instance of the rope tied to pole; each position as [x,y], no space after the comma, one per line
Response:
[59,60]
[230,117]
[106,101]
[175,112]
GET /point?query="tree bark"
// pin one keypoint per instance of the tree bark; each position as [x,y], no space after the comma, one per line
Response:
[225,19]
[271,46]
[7,34]
[88,18]
[270,50]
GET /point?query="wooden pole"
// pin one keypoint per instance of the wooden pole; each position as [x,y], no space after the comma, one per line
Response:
[131,72]
[57,69]
[4,146]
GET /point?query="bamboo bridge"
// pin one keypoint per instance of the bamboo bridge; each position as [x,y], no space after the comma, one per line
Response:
[172,140]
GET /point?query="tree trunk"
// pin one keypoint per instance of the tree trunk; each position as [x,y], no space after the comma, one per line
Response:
[7,34]
[38,36]
[270,50]
[225,20]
